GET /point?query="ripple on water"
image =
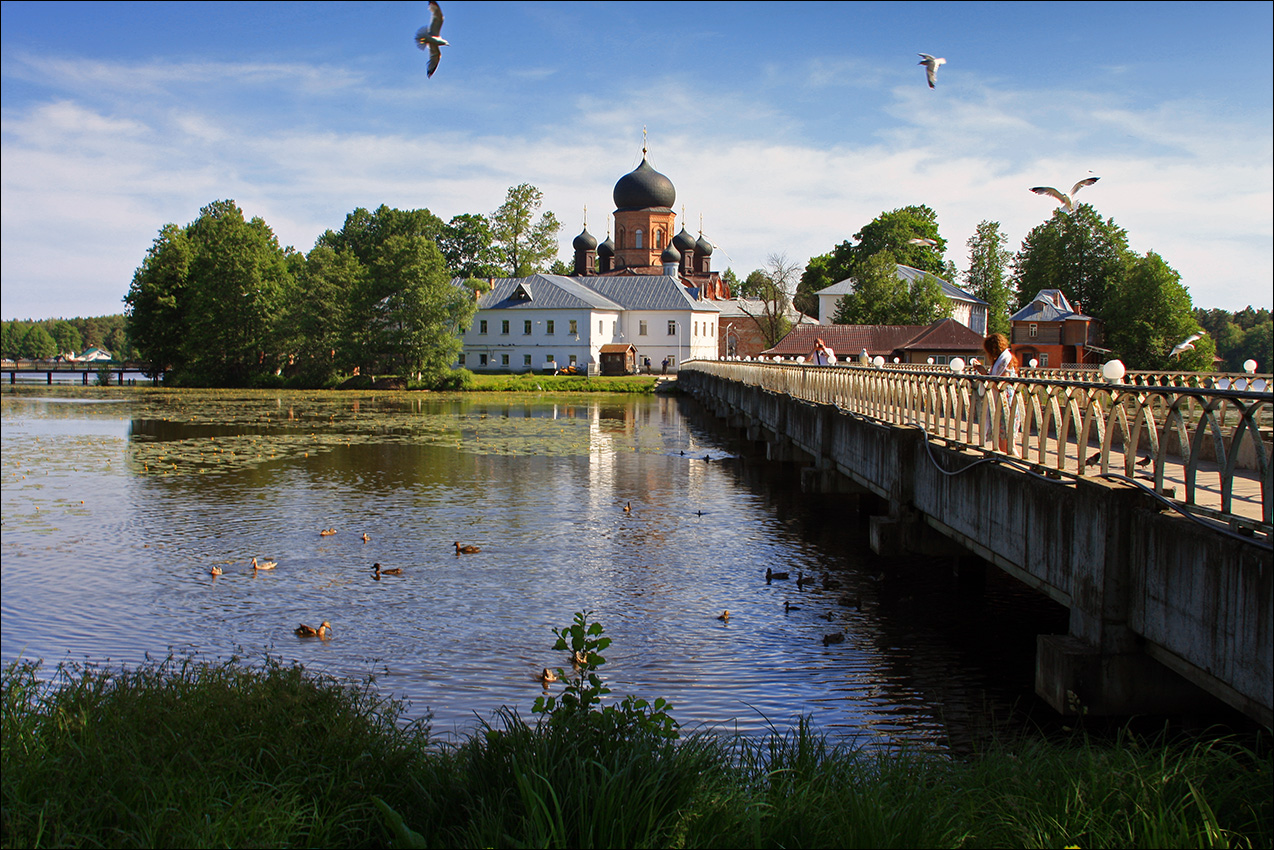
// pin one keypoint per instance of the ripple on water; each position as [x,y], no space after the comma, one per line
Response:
[172,488]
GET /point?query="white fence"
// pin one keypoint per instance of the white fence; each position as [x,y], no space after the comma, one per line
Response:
[1202,440]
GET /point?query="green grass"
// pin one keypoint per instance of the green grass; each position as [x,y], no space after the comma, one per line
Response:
[179,753]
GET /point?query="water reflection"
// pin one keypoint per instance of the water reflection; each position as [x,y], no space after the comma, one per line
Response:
[173,484]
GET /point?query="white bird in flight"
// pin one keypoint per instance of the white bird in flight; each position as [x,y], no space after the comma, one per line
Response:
[1067,201]
[427,37]
[1186,344]
[931,64]
[920,240]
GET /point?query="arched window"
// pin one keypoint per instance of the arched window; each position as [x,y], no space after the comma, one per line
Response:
[659,238]
[619,237]
[637,239]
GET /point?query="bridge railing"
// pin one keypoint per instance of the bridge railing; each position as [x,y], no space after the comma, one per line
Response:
[1172,432]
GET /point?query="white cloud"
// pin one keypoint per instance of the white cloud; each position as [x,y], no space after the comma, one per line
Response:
[87,182]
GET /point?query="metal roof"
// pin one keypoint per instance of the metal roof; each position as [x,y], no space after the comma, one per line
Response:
[1048,305]
[626,292]
[907,273]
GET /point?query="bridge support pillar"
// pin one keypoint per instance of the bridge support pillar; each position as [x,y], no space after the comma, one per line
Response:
[904,530]
[828,482]
[1075,677]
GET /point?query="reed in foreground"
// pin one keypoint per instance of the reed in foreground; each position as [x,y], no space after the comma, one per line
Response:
[179,753]
[184,754]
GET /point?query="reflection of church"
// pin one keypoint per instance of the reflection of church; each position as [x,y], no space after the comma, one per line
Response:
[644,243]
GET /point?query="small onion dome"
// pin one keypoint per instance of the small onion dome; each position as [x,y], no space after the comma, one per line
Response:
[703,247]
[684,241]
[644,188]
[607,248]
[670,255]
[585,241]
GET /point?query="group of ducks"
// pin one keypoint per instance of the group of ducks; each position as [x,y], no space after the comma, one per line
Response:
[306,631]
[578,660]
[801,581]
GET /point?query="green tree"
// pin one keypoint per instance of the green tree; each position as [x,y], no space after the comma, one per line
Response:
[522,244]
[238,277]
[893,231]
[365,232]
[416,326]
[880,296]
[67,337]
[467,246]
[319,319]
[1257,344]
[38,343]
[155,316]
[1149,313]
[731,281]
[11,337]
[754,285]
[1078,253]
[988,258]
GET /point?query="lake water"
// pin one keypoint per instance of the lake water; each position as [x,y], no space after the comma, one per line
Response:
[117,504]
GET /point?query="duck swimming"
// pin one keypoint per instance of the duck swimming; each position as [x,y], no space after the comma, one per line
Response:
[396,571]
[466,550]
[835,637]
[770,576]
[366,539]
[309,631]
[263,565]
[216,571]
[628,508]
[724,616]
[547,676]
[327,532]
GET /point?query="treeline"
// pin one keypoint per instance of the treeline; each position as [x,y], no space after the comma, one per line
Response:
[219,302]
[1239,337]
[46,339]
[1140,300]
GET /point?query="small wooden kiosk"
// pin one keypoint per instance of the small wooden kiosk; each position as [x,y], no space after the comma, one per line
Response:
[618,358]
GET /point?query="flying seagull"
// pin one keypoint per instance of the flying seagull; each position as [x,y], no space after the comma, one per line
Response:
[920,240]
[1067,201]
[427,37]
[1186,344]
[931,66]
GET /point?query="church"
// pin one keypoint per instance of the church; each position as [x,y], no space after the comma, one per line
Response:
[646,297]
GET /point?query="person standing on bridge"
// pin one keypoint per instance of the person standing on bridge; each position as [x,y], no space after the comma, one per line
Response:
[1003,365]
[822,355]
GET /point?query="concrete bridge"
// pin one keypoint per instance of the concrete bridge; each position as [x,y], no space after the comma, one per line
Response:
[1104,499]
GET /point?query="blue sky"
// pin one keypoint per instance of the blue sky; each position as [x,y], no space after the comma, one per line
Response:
[786,126]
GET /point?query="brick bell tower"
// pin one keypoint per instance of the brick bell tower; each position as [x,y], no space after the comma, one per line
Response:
[644,218]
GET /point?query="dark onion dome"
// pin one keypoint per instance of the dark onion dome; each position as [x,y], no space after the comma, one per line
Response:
[684,241]
[670,255]
[644,188]
[607,248]
[585,241]
[703,247]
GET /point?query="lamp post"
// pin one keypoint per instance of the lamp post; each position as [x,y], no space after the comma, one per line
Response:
[678,326]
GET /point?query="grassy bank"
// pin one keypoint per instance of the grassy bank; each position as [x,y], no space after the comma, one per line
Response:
[185,754]
[563,383]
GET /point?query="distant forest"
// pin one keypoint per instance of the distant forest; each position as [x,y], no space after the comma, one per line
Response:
[45,339]
[1245,335]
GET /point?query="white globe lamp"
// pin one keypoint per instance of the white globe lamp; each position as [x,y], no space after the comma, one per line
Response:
[1113,371]
[957,365]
